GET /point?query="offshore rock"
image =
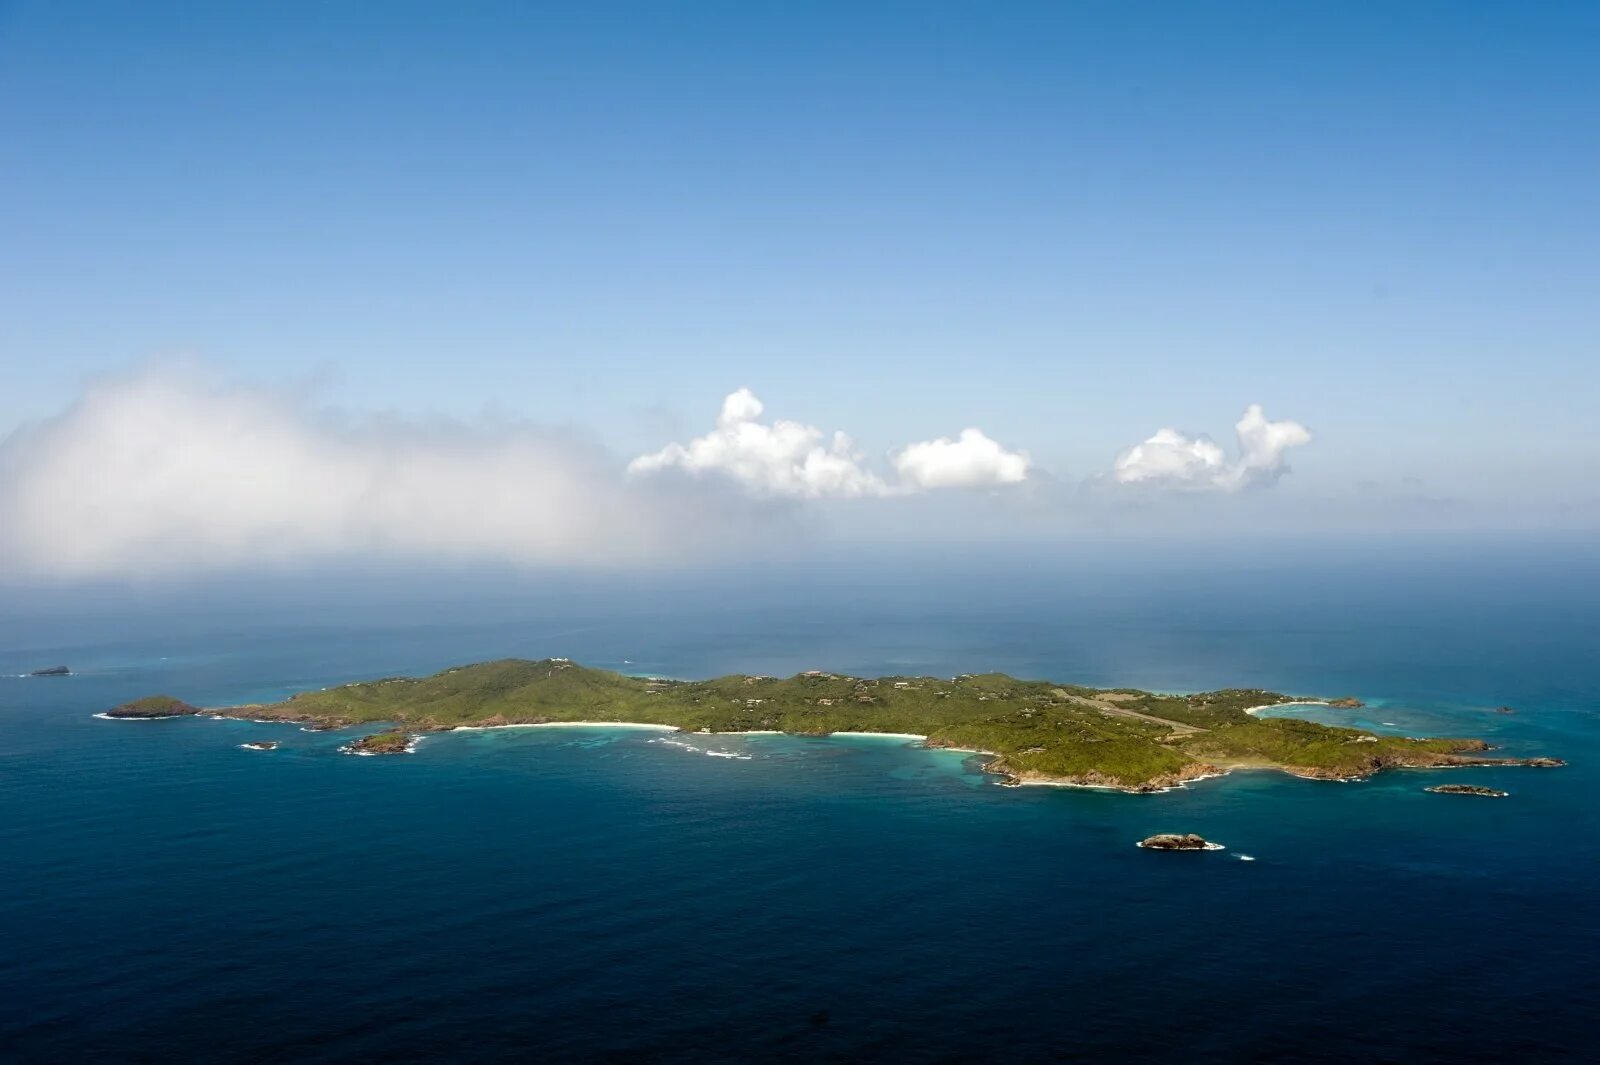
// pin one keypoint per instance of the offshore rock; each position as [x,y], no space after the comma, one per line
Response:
[1171,841]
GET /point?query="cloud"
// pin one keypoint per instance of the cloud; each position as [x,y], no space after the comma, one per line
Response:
[972,461]
[782,459]
[163,471]
[1171,459]
[789,459]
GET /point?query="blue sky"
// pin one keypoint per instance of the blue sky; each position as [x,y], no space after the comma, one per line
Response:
[1069,224]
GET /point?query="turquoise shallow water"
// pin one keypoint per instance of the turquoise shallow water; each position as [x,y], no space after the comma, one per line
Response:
[601,894]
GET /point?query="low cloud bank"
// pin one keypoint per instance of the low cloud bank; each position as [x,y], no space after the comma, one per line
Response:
[790,459]
[162,472]
[1171,459]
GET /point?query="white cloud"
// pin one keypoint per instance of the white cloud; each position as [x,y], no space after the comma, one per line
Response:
[1171,459]
[782,459]
[1262,444]
[969,462]
[789,459]
[162,472]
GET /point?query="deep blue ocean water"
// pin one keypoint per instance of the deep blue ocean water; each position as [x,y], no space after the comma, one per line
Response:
[601,895]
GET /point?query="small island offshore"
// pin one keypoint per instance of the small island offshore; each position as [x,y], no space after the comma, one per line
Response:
[1033,732]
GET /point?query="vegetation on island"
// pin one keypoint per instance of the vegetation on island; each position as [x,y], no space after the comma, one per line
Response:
[153,706]
[1032,731]
[1468,789]
[380,743]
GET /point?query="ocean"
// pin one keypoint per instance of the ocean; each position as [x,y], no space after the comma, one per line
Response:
[600,894]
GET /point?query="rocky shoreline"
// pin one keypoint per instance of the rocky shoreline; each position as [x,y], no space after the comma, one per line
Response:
[1425,760]
[1205,771]
[1011,778]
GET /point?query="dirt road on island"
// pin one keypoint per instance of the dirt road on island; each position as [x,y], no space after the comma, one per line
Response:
[1178,728]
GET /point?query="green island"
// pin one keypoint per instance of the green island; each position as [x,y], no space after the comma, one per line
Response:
[154,707]
[1031,732]
[395,742]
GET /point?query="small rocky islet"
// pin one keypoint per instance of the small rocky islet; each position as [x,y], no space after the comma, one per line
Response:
[260,745]
[381,743]
[52,671]
[1178,841]
[1468,789]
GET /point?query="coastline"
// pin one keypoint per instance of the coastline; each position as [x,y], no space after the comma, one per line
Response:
[1255,711]
[879,735]
[569,724]
[1160,786]
[1161,789]
[993,767]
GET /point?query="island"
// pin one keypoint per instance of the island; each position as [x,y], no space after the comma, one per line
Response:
[260,745]
[381,743]
[1027,731]
[52,671]
[153,707]
[1171,841]
[1468,789]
